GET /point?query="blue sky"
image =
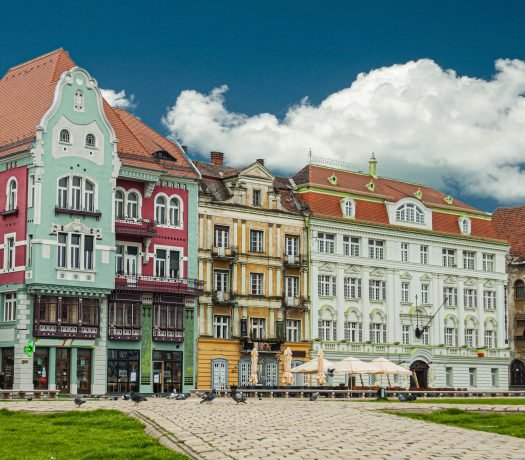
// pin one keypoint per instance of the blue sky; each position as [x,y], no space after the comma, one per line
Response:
[270,54]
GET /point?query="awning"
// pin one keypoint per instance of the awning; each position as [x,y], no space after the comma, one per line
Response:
[520,330]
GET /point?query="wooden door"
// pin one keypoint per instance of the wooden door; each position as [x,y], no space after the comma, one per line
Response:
[62,370]
[84,371]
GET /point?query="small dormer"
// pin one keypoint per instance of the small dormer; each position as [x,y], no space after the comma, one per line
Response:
[465,225]
[409,212]
[348,208]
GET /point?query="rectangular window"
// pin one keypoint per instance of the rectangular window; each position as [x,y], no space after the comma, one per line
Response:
[494,377]
[293,330]
[256,241]
[221,327]
[75,250]
[404,252]
[76,201]
[425,290]
[31,191]
[29,250]
[174,265]
[451,338]
[450,296]
[352,287]
[62,250]
[221,236]
[88,252]
[63,201]
[351,246]
[470,338]
[258,328]
[353,331]
[377,333]
[449,257]
[291,286]
[488,262]
[406,334]
[256,197]
[119,259]
[423,254]
[327,330]
[377,289]
[326,243]
[256,283]
[470,298]
[221,280]
[376,249]
[9,307]
[327,285]
[472,376]
[489,300]
[490,339]
[10,253]
[425,338]
[291,244]
[405,292]
[469,260]
[449,382]
[160,263]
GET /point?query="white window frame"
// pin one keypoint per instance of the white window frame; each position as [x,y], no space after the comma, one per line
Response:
[90,145]
[353,331]
[221,326]
[377,290]
[291,245]
[405,292]
[256,283]
[470,298]
[450,296]
[326,329]
[73,193]
[169,250]
[75,253]
[451,336]
[258,327]
[471,336]
[376,249]
[351,246]
[221,280]
[221,236]
[378,332]
[327,285]
[352,287]
[348,207]
[326,243]
[11,194]
[257,241]
[425,293]
[404,252]
[64,136]
[489,300]
[489,262]
[9,307]
[126,257]
[409,212]
[406,334]
[449,257]
[291,286]
[423,254]
[293,330]
[31,191]
[465,225]
[469,260]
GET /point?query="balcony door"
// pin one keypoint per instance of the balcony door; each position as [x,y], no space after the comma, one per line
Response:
[131,260]
[62,369]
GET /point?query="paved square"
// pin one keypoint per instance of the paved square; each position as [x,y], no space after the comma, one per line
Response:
[301,429]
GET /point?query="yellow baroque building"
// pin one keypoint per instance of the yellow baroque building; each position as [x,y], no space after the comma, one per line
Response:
[253,262]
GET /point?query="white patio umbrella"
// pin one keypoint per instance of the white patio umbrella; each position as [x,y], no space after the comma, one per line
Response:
[353,366]
[253,380]
[312,366]
[287,363]
[321,378]
[388,368]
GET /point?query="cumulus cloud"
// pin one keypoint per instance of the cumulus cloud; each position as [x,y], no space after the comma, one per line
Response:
[423,122]
[118,99]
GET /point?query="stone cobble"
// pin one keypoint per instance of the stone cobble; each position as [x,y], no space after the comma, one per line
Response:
[302,429]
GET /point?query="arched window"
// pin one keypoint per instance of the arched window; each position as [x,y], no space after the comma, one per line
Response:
[160,210]
[119,204]
[133,205]
[89,196]
[65,136]
[79,101]
[90,140]
[464,225]
[63,192]
[11,194]
[519,290]
[349,209]
[174,212]
[409,212]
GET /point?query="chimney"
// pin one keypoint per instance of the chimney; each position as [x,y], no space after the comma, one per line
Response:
[217,158]
[185,148]
[260,161]
[372,166]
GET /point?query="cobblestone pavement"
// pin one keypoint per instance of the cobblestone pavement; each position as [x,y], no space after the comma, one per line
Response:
[302,429]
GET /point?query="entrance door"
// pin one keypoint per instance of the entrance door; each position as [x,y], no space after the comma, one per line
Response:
[41,369]
[158,376]
[62,370]
[421,370]
[517,373]
[8,367]
[84,371]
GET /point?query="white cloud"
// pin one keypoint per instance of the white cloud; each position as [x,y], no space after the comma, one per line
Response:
[423,122]
[118,100]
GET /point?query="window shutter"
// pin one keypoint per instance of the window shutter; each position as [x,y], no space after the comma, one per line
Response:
[319,285]
[320,329]
[383,284]
[334,283]
[370,290]
[359,287]
[334,330]
[360,326]
[371,331]
[384,333]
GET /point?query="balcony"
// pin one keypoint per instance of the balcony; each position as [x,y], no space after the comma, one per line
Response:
[261,339]
[9,212]
[295,302]
[168,335]
[294,261]
[142,283]
[223,297]
[228,254]
[78,212]
[135,227]
[124,333]
[77,331]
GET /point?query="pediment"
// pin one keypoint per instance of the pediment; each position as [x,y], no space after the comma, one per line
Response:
[257,170]
[377,273]
[425,277]
[470,282]
[327,268]
[450,280]
[405,276]
[489,284]
[352,270]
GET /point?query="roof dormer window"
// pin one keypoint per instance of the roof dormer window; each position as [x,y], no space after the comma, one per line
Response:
[348,207]
[409,212]
[464,225]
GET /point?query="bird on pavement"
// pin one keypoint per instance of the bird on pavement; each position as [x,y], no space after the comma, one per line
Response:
[29,398]
[182,396]
[79,401]
[137,398]
[126,397]
[114,398]
[314,396]
[238,397]
[172,395]
[401,397]
[209,397]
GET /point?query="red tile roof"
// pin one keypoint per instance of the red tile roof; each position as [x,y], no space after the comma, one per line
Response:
[509,224]
[27,92]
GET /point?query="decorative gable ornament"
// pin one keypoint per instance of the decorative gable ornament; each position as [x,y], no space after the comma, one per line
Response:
[489,284]
[418,194]
[448,199]
[450,280]
[425,277]
[333,179]
[377,273]
[470,282]
[76,226]
[327,268]
[352,269]
[405,276]
[371,186]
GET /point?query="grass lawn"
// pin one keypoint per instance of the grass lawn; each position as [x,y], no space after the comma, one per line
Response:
[98,434]
[480,401]
[509,424]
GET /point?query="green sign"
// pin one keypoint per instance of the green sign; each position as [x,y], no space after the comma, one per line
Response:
[30,349]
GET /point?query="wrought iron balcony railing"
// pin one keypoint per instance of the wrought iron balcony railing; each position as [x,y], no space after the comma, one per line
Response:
[229,253]
[135,227]
[143,283]
[78,212]
[9,212]
[295,302]
[58,329]
[168,335]
[294,260]
[223,297]
[124,332]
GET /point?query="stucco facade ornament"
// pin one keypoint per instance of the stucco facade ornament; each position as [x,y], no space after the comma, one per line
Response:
[76,226]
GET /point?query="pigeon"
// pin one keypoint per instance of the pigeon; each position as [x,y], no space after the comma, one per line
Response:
[238,397]
[199,394]
[314,396]
[182,396]
[29,398]
[260,396]
[208,397]
[137,398]
[79,401]
[126,397]
[114,398]
[401,397]
[172,395]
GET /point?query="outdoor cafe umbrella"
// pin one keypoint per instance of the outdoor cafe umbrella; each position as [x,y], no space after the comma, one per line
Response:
[312,366]
[287,363]
[321,379]
[354,366]
[253,375]
[384,366]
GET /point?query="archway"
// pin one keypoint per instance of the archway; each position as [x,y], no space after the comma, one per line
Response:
[517,373]
[420,368]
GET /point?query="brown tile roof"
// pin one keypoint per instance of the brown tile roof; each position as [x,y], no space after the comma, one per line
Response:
[212,171]
[27,92]
[509,224]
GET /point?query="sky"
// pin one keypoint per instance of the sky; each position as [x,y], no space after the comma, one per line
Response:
[434,89]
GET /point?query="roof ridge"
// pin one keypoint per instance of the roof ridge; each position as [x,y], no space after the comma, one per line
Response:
[34,59]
